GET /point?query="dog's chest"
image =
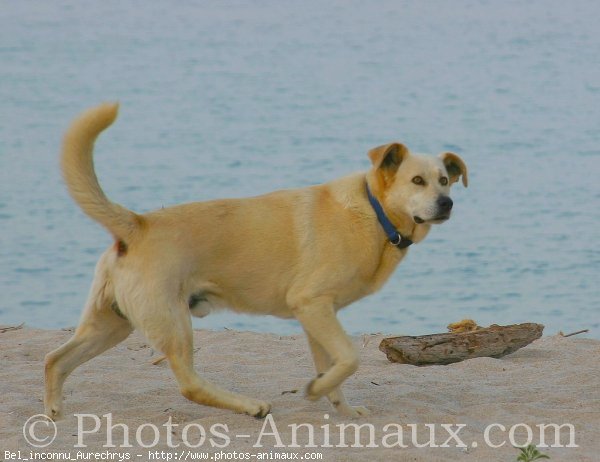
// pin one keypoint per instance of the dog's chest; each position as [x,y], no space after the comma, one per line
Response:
[370,278]
[390,259]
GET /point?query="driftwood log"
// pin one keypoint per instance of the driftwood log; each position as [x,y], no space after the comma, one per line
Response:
[494,341]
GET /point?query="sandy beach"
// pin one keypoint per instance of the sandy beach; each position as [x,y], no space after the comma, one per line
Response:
[555,380]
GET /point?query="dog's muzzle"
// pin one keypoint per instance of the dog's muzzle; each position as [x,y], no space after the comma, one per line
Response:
[444,206]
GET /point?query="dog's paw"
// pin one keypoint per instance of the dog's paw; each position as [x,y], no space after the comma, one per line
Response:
[55,413]
[259,409]
[353,411]
[312,391]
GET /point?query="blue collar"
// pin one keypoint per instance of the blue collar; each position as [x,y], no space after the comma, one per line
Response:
[392,233]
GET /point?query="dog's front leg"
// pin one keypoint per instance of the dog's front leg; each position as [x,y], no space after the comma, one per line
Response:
[336,397]
[320,323]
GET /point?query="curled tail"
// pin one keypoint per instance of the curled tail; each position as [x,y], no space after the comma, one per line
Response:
[77,165]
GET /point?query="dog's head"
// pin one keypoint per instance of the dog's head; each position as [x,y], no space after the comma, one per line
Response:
[416,186]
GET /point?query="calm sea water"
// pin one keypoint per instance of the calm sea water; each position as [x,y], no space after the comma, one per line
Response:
[229,99]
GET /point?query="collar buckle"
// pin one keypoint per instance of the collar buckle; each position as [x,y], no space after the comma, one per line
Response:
[403,243]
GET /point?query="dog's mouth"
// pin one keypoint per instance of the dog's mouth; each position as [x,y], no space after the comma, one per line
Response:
[439,219]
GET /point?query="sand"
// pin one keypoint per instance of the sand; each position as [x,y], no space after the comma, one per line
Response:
[555,380]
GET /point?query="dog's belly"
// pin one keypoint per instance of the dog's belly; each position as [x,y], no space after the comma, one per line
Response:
[203,303]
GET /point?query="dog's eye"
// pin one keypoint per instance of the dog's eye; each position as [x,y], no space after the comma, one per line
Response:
[443,181]
[418,180]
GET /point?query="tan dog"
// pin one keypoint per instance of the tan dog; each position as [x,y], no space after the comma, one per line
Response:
[302,253]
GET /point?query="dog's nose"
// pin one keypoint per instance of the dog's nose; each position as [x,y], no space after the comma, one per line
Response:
[445,203]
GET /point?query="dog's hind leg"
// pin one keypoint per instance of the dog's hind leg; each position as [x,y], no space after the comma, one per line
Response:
[100,328]
[170,330]
[336,396]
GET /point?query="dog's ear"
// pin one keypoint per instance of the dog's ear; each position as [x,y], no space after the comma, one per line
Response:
[455,167]
[388,157]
